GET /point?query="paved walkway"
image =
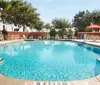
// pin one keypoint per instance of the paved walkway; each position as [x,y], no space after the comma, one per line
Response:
[10,81]
[95,43]
[9,41]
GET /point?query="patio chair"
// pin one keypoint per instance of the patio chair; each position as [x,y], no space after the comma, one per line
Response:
[44,37]
[52,37]
[97,37]
[24,37]
[13,37]
[17,36]
[57,37]
[1,38]
[88,37]
[65,37]
[31,37]
[92,38]
[60,37]
[48,37]
[39,37]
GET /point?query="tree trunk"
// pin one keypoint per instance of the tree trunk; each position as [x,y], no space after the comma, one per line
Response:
[4,31]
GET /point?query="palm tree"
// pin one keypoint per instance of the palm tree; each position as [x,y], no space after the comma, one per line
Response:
[39,25]
[4,5]
[47,26]
[22,14]
[62,32]
[61,24]
[69,33]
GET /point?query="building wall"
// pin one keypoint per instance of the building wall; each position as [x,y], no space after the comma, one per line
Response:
[11,27]
[90,35]
[20,35]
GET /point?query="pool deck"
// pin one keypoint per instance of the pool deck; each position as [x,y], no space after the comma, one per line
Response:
[11,81]
[94,43]
[9,41]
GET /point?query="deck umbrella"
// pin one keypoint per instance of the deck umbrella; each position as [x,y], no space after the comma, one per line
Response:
[94,27]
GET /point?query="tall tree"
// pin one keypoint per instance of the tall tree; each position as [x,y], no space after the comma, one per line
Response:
[62,32]
[20,13]
[39,25]
[48,26]
[61,24]
[52,32]
[85,18]
[79,21]
[95,16]
[69,33]
[4,6]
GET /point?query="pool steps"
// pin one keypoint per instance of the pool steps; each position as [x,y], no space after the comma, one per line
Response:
[1,59]
[98,59]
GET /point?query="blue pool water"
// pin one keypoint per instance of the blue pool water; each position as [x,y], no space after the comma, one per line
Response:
[49,60]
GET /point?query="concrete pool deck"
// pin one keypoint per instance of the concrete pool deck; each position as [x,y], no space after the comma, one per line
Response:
[9,41]
[94,43]
[11,81]
[75,40]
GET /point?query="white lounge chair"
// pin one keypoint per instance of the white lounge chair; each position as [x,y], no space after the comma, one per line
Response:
[48,37]
[39,37]
[1,38]
[24,37]
[65,37]
[57,37]
[98,59]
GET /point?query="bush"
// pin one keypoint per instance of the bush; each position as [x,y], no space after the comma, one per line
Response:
[53,32]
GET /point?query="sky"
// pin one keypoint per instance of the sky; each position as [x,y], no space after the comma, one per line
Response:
[50,9]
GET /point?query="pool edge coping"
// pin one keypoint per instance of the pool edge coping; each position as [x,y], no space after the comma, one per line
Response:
[2,43]
[12,81]
[85,42]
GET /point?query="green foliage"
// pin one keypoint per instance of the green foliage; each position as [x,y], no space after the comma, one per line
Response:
[80,21]
[47,26]
[20,13]
[60,23]
[39,25]
[85,18]
[62,32]
[53,32]
[4,4]
[69,33]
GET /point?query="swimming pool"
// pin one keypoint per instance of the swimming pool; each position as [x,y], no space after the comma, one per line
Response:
[49,60]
